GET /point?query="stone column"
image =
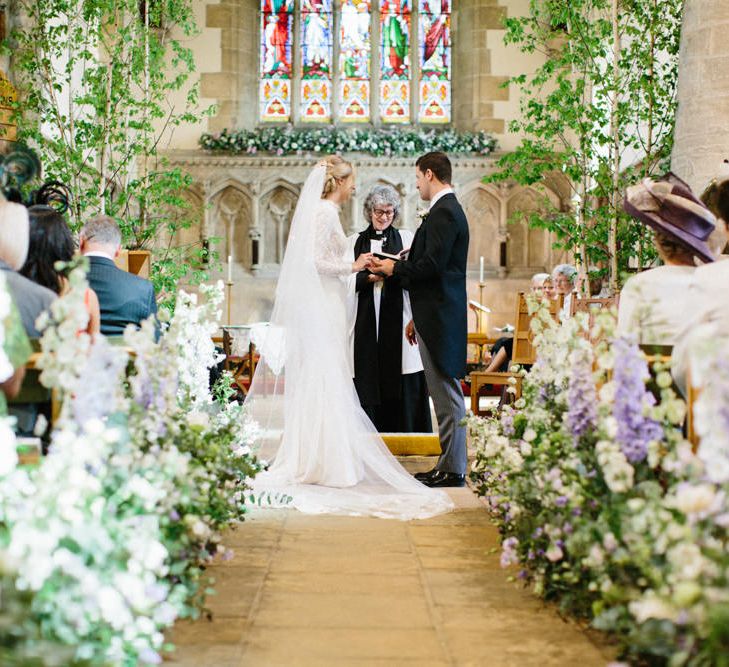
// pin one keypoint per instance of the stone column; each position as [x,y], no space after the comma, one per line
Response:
[702,122]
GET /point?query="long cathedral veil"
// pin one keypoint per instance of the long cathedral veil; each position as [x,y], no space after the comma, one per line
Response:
[304,401]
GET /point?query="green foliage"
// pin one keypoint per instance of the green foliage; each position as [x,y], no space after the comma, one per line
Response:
[396,142]
[97,81]
[602,127]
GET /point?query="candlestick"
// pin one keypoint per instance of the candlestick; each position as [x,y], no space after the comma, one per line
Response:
[228,298]
[480,270]
[230,268]
[481,286]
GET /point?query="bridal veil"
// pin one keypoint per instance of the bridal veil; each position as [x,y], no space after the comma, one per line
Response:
[326,455]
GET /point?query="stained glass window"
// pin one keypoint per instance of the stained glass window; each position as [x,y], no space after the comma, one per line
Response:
[395,61]
[435,61]
[276,70]
[354,61]
[316,60]
[355,80]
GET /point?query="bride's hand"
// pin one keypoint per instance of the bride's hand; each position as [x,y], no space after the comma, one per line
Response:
[362,262]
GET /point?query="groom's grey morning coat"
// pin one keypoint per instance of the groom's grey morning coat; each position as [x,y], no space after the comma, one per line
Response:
[435,276]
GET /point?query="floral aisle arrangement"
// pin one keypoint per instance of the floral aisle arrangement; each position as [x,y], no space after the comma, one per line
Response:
[104,545]
[601,502]
[380,142]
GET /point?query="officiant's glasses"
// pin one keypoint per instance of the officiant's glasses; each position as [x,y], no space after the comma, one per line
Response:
[381,213]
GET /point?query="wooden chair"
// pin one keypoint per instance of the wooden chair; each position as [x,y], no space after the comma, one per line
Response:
[523,353]
[243,367]
[592,306]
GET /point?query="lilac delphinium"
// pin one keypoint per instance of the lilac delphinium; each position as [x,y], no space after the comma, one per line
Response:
[635,429]
[581,395]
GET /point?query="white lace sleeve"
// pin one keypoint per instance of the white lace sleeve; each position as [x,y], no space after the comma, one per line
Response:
[329,251]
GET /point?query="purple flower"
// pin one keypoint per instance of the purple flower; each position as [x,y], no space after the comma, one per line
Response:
[174,515]
[561,501]
[581,396]
[635,430]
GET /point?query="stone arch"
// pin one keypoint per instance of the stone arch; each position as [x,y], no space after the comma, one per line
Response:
[277,206]
[230,221]
[189,218]
[528,247]
[483,212]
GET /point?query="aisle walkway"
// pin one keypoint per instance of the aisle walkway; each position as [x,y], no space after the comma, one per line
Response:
[326,591]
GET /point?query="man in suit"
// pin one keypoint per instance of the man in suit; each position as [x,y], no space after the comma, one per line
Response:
[435,275]
[123,297]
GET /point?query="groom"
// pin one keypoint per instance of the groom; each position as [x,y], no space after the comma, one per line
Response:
[435,275]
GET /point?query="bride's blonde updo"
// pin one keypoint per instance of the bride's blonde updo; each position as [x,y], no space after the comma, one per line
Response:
[337,170]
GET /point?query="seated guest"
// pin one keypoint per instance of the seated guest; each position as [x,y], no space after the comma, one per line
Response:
[30,298]
[655,304]
[51,242]
[708,294]
[538,280]
[565,281]
[16,347]
[388,371]
[548,289]
[501,352]
[123,297]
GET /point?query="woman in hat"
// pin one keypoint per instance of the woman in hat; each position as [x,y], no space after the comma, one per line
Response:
[388,371]
[708,294]
[655,304]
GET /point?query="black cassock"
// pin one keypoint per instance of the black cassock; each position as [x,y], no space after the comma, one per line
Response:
[395,403]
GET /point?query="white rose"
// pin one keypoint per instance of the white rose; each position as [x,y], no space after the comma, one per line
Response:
[554,553]
[530,435]
[651,606]
[695,499]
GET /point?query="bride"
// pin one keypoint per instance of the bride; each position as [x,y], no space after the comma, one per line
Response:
[327,454]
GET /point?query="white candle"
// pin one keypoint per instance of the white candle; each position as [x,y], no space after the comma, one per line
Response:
[230,268]
[480,270]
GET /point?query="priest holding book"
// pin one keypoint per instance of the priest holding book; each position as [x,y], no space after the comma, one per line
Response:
[388,371]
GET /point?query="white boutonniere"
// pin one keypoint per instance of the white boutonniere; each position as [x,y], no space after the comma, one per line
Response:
[421,214]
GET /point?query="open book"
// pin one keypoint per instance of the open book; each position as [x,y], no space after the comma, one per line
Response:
[386,255]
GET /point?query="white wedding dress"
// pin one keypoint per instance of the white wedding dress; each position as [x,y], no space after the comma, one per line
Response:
[327,456]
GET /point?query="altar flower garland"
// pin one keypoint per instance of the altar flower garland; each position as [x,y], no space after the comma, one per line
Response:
[104,545]
[395,142]
[601,502]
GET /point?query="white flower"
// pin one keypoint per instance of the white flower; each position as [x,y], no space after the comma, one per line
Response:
[8,448]
[554,553]
[696,499]
[530,435]
[651,606]
[198,418]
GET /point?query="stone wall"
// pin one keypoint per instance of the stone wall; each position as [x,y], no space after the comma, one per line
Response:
[702,123]
[247,202]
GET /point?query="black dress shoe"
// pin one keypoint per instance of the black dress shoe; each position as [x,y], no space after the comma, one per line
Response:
[442,479]
[424,475]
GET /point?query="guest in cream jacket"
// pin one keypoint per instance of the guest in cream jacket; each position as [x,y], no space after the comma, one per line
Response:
[655,304]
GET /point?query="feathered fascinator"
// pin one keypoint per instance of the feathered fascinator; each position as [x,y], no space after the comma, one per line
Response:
[716,195]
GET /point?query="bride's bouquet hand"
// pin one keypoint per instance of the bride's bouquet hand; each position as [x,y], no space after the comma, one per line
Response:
[362,262]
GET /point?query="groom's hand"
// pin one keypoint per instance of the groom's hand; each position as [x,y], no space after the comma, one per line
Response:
[384,266]
[410,333]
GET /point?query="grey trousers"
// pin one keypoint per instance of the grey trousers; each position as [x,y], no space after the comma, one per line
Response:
[450,409]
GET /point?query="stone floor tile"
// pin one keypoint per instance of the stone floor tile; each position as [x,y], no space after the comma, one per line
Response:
[381,646]
[335,583]
[326,610]
[295,561]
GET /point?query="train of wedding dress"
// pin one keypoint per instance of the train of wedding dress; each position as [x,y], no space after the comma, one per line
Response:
[325,455]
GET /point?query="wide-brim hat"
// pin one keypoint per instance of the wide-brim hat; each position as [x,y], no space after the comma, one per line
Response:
[669,206]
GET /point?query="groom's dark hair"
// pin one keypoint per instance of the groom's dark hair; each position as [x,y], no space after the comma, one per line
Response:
[438,163]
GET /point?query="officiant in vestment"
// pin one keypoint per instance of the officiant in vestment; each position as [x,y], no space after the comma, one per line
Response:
[388,371]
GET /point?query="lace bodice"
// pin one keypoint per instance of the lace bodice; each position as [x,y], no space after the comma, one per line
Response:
[330,242]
